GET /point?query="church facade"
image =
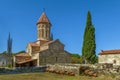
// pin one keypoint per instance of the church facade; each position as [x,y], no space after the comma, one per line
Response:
[44,50]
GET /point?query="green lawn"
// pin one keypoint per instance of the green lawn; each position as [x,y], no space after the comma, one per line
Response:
[49,76]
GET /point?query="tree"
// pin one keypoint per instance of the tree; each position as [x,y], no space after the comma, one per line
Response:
[9,46]
[4,52]
[9,50]
[89,45]
[75,55]
[22,51]
[76,58]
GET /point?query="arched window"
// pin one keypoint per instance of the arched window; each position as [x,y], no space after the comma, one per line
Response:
[46,34]
[38,33]
[42,33]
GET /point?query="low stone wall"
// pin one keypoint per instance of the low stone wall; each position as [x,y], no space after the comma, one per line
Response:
[22,70]
[30,69]
[106,68]
[77,69]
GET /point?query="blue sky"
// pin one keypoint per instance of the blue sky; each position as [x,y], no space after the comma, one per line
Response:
[68,18]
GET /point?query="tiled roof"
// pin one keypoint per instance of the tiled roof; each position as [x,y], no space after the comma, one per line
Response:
[23,54]
[49,42]
[43,19]
[26,61]
[34,44]
[42,42]
[109,52]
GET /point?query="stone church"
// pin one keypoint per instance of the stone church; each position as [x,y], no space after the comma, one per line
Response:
[44,50]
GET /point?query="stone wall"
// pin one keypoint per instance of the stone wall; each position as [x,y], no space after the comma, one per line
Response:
[106,68]
[52,57]
[78,69]
[22,70]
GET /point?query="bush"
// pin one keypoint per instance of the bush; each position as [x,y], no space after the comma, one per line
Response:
[9,65]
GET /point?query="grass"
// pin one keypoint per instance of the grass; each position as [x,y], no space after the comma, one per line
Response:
[49,76]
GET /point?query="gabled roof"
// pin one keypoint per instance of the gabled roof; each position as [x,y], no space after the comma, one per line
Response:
[50,42]
[43,19]
[109,52]
[34,44]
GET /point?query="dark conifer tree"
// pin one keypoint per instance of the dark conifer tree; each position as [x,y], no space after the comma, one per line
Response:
[9,50]
[89,45]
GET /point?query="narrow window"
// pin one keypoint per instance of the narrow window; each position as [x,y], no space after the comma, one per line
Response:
[38,33]
[56,59]
[42,33]
[46,34]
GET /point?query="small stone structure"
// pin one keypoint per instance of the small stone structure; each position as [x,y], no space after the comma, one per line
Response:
[3,60]
[109,56]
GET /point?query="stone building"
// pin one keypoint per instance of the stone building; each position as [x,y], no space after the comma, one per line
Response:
[44,50]
[3,60]
[109,56]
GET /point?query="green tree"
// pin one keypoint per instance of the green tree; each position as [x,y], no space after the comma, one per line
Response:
[4,52]
[9,50]
[89,45]
[22,51]
[75,55]
[76,58]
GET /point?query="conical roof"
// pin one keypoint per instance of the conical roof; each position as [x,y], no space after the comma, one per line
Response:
[43,19]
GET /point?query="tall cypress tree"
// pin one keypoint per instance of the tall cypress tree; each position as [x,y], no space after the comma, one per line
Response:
[89,45]
[9,50]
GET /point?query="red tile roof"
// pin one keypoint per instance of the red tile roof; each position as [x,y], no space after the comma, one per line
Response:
[23,54]
[48,42]
[43,19]
[109,52]
[26,61]
[34,44]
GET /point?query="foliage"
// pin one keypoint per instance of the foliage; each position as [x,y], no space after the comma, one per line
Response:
[22,51]
[75,55]
[76,58]
[89,44]
[9,51]
[9,65]
[9,46]
[4,52]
